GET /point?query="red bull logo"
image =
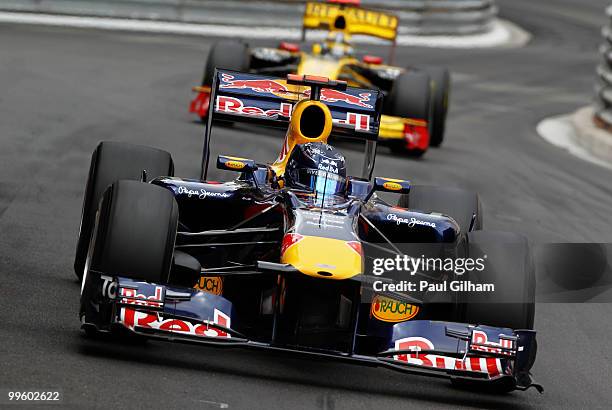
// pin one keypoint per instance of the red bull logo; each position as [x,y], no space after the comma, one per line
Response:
[332,96]
[132,318]
[226,104]
[228,81]
[361,122]
[491,366]
[234,105]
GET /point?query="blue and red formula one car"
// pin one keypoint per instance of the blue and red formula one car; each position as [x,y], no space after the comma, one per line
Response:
[279,257]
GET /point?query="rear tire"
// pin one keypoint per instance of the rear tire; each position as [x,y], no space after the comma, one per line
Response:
[461,205]
[110,162]
[226,54]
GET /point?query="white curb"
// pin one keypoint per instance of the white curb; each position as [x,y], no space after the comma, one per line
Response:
[577,134]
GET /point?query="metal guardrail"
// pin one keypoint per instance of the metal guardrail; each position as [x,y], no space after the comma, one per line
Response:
[603,88]
[425,17]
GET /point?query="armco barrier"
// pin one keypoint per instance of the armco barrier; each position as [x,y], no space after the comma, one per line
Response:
[603,88]
[416,16]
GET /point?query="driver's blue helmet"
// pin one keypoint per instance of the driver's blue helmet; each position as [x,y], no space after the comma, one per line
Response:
[318,168]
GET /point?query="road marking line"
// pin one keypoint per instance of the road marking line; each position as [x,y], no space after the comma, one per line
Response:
[215,403]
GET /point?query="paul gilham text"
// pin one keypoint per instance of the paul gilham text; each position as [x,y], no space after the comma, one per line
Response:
[427,286]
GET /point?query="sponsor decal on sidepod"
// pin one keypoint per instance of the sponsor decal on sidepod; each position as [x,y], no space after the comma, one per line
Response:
[412,222]
[202,193]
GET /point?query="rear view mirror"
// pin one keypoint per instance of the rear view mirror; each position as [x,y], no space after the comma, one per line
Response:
[399,186]
[235,163]
[359,187]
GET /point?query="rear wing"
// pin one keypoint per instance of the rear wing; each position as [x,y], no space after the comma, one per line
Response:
[269,101]
[323,16]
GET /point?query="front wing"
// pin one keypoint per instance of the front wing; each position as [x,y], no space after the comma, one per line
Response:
[442,349]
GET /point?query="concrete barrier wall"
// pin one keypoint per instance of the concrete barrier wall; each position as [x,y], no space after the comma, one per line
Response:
[603,88]
[416,16]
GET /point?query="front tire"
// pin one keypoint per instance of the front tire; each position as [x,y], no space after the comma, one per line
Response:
[229,55]
[226,54]
[136,232]
[134,236]
[440,79]
[509,266]
[110,162]
[410,97]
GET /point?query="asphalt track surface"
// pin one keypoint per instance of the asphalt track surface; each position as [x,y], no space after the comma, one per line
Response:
[63,90]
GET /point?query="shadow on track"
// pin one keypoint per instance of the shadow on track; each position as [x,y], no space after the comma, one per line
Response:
[282,368]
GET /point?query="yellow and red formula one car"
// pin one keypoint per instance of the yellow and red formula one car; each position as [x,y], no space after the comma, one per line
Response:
[416,99]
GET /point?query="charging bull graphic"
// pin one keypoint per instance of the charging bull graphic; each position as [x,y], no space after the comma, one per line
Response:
[229,81]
